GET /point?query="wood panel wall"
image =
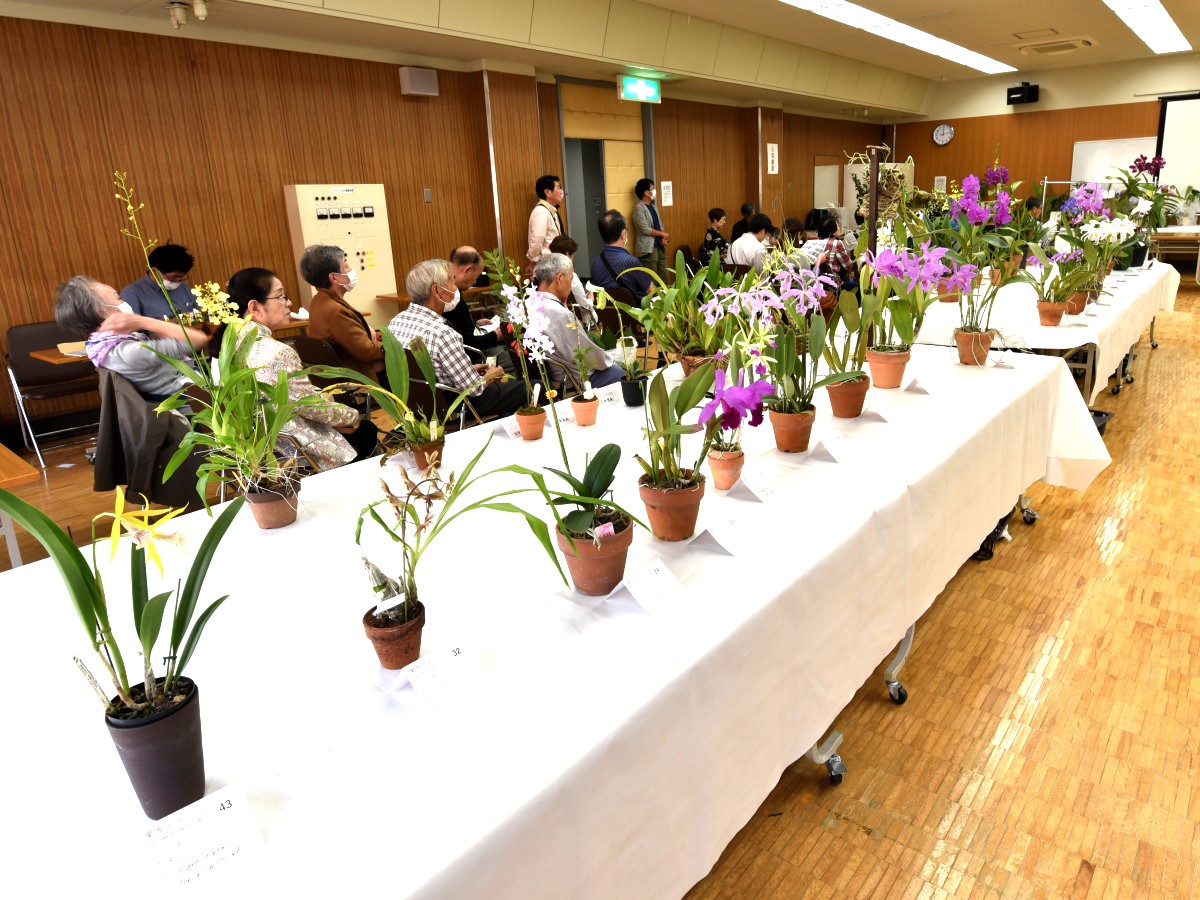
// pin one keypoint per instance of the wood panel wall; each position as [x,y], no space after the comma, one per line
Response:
[1034,145]
[209,133]
[516,138]
[804,139]
[702,149]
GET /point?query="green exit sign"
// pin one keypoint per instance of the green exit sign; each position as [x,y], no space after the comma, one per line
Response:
[642,90]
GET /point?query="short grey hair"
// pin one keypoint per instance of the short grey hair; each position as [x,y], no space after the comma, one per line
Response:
[79,309]
[319,262]
[549,267]
[423,276]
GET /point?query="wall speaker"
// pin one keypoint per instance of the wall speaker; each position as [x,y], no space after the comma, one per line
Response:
[416,82]
[1023,93]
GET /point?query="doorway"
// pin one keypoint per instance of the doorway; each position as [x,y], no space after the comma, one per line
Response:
[585,199]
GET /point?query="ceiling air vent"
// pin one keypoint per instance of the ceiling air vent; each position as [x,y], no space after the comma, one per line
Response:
[1055,46]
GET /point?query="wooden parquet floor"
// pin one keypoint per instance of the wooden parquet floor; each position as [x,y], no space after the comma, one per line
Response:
[1050,743]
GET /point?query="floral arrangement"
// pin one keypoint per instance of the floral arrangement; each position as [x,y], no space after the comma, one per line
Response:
[907,282]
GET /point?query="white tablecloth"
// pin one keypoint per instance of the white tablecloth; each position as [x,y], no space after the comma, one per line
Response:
[600,751]
[1132,300]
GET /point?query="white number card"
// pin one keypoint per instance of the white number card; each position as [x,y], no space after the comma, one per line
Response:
[212,841]
[655,587]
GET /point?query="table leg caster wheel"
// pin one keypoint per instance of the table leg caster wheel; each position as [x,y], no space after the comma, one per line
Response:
[836,769]
[1154,345]
[1129,379]
[897,692]
[1030,516]
[1116,389]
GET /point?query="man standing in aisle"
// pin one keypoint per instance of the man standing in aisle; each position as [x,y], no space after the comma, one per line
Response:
[172,262]
[544,222]
[649,240]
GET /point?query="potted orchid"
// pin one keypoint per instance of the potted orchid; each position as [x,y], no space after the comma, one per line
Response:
[154,720]
[738,396]
[1056,279]
[529,323]
[905,283]
[670,489]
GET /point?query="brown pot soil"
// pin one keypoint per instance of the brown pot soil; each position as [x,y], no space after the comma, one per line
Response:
[396,645]
[596,571]
[792,430]
[271,510]
[163,753]
[726,467]
[672,513]
[887,367]
[428,455]
[847,397]
[532,425]
[1050,313]
[585,411]
[1077,303]
[973,346]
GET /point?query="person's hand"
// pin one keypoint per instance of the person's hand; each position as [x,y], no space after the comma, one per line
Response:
[495,373]
[121,322]
[665,237]
[483,323]
[480,368]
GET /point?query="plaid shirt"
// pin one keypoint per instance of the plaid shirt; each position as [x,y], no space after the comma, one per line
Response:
[445,346]
[839,259]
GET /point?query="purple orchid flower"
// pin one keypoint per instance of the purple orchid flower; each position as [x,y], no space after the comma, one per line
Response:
[996,175]
[961,278]
[1003,209]
[736,402]
[970,187]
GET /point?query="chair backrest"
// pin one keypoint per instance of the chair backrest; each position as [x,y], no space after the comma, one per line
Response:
[316,352]
[736,269]
[689,260]
[31,372]
[421,394]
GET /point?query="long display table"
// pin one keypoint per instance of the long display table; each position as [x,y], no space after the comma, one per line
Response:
[589,748]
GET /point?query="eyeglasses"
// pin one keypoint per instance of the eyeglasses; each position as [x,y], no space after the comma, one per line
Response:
[284,297]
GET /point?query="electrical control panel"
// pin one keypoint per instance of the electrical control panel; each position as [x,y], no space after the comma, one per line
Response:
[353,217]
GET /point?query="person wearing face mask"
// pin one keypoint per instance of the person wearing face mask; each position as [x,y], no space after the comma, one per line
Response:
[332,319]
[431,290]
[171,263]
[123,341]
[330,433]
[649,238]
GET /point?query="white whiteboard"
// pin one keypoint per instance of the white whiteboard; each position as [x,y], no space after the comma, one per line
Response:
[1181,134]
[1096,160]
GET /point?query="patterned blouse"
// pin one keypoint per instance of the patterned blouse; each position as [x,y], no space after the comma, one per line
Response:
[313,427]
[714,242]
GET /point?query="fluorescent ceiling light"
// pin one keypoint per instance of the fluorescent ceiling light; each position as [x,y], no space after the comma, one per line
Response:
[1151,23]
[872,22]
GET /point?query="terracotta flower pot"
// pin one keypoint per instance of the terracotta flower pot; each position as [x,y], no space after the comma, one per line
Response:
[847,397]
[672,513]
[163,754]
[596,571]
[396,645]
[792,430]
[585,410]
[428,455]
[726,467]
[273,510]
[973,346]
[829,302]
[692,363]
[1050,313]
[944,294]
[633,392]
[1077,303]
[532,425]
[887,367]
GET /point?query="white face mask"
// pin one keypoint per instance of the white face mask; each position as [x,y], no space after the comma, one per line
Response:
[171,285]
[452,304]
[122,307]
[653,193]
[353,282]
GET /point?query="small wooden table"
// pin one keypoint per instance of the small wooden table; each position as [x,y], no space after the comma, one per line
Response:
[13,471]
[56,357]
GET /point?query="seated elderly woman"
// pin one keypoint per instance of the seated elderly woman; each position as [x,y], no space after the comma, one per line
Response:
[123,342]
[331,318]
[330,434]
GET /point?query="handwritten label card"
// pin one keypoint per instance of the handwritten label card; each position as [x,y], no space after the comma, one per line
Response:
[721,535]
[214,840]
[872,415]
[564,413]
[821,451]
[441,674]
[915,387]
[509,428]
[610,396]
[655,587]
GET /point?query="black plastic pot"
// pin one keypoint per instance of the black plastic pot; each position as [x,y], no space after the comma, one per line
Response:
[1137,257]
[1100,417]
[163,754]
[633,392]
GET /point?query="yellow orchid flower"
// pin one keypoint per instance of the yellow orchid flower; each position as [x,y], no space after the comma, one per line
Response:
[140,524]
